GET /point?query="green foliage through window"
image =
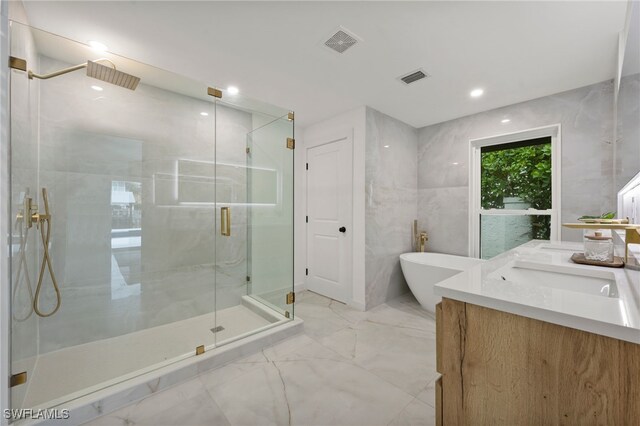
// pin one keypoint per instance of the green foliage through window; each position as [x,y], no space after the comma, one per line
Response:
[523,172]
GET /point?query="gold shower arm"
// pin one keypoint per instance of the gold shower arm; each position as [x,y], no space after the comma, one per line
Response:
[33,75]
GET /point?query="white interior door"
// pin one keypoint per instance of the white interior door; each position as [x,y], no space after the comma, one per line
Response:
[329,214]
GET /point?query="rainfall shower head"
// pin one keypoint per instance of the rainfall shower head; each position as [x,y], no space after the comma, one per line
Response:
[99,71]
[111,75]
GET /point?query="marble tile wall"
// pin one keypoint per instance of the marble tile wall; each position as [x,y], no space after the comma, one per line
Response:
[158,140]
[586,116]
[628,131]
[390,203]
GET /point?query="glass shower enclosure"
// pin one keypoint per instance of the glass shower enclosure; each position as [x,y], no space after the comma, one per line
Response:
[152,219]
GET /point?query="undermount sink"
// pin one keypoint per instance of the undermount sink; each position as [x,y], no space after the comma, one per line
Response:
[589,281]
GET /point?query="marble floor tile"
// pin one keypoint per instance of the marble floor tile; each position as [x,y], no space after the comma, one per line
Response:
[184,404]
[341,310]
[348,368]
[402,356]
[410,371]
[257,397]
[347,313]
[428,394]
[310,391]
[310,298]
[404,311]
[227,373]
[417,413]
[319,320]
[300,348]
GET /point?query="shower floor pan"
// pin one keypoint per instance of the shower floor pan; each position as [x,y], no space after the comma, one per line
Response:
[98,377]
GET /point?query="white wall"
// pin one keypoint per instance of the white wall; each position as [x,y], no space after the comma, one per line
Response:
[353,121]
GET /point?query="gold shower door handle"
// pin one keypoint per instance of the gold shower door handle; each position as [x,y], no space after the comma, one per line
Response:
[225,221]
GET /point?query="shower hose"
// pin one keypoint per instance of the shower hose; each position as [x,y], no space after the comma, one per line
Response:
[43,222]
[46,260]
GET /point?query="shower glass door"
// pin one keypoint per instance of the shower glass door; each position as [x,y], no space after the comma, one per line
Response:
[254,223]
[167,218]
[131,191]
[270,195]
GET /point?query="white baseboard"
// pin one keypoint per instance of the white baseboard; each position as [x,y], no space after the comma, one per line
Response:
[299,287]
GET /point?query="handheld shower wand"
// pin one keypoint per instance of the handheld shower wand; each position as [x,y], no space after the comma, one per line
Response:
[41,220]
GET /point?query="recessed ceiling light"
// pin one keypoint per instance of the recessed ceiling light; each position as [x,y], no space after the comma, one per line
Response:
[455,164]
[233,90]
[386,146]
[204,114]
[505,120]
[96,45]
[97,88]
[475,93]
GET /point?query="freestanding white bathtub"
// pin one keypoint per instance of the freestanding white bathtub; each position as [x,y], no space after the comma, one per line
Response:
[424,270]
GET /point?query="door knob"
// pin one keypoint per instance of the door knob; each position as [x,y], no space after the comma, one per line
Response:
[342,229]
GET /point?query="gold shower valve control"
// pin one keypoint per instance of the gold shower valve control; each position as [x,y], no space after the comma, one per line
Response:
[30,210]
[39,217]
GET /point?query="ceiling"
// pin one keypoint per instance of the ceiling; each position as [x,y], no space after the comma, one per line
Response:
[274,51]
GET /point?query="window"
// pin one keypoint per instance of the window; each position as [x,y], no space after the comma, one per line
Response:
[515,181]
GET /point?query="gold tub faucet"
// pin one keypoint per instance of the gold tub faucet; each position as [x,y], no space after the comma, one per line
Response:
[423,241]
[419,238]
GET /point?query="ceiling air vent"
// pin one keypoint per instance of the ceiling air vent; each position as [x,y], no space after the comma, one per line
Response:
[414,76]
[341,41]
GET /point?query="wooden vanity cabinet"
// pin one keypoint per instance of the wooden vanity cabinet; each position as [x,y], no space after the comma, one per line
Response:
[504,369]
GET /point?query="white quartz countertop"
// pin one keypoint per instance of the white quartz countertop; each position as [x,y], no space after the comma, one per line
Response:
[552,298]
